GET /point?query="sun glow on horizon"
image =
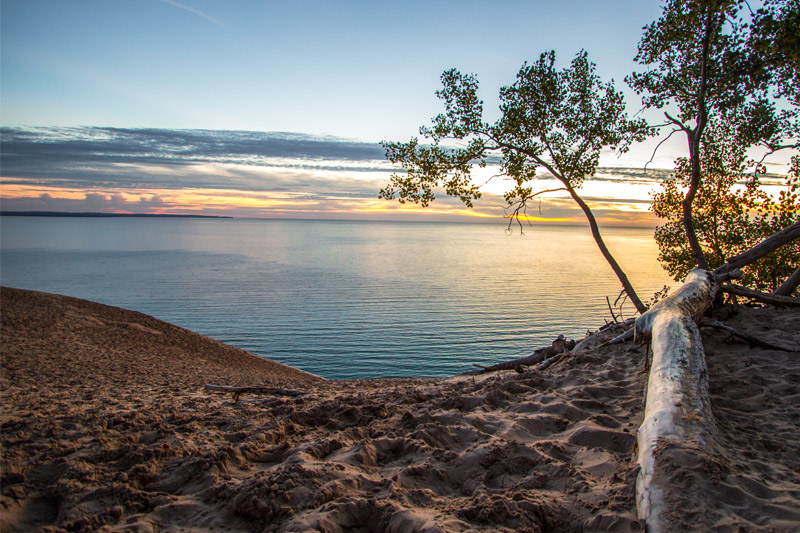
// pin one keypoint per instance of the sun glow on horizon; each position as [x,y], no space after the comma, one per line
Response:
[20,195]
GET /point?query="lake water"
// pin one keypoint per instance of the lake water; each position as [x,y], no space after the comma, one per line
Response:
[339,299]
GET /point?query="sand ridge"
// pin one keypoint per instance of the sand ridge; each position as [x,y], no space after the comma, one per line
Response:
[106,426]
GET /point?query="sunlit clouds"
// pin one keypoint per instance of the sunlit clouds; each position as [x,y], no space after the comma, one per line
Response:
[273,175]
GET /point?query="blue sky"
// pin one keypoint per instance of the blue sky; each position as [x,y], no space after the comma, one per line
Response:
[358,69]
[81,78]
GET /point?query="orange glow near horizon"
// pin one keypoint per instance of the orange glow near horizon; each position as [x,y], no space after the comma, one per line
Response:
[243,203]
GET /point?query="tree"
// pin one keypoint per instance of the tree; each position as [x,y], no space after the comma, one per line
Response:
[704,63]
[769,272]
[731,212]
[558,120]
[775,37]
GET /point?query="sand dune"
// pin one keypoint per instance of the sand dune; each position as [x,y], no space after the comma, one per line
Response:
[106,425]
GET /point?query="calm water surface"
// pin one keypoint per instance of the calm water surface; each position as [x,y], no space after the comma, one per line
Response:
[339,299]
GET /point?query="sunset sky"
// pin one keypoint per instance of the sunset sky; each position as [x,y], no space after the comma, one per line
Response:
[275,108]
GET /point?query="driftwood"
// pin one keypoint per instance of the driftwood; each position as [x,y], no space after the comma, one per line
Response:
[677,407]
[550,355]
[621,338]
[624,337]
[744,336]
[547,363]
[560,345]
[764,297]
[788,286]
[238,391]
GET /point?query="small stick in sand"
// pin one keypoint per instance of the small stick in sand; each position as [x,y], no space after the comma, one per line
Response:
[551,361]
[744,336]
[238,391]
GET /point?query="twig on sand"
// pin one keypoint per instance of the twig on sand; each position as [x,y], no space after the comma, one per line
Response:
[547,363]
[238,391]
[627,335]
[590,339]
[744,336]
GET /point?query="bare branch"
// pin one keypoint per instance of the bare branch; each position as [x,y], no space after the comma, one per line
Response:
[522,207]
[657,147]
[776,148]
[764,297]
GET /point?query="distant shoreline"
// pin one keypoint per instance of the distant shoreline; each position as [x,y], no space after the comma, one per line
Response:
[99,215]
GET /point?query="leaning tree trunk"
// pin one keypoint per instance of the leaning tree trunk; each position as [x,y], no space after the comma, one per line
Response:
[623,279]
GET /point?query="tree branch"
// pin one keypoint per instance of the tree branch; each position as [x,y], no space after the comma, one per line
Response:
[522,205]
[653,155]
[776,148]
[765,247]
[678,123]
[767,298]
[536,158]
[788,286]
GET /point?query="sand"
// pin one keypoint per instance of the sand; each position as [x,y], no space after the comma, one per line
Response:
[106,426]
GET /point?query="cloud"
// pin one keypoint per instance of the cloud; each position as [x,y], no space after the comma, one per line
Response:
[146,158]
[246,173]
[196,12]
[91,202]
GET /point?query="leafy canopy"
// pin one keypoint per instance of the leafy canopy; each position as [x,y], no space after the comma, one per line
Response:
[553,119]
[732,212]
[775,38]
[706,64]
[701,63]
[558,120]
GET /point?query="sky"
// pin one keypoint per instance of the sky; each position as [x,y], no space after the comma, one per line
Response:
[275,108]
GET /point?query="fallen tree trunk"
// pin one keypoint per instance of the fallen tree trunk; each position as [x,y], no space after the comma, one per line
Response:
[763,248]
[677,407]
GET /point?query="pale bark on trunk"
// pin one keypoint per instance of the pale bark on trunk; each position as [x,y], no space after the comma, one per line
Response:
[678,409]
[677,406]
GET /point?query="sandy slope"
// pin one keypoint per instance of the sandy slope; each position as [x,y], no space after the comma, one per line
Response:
[105,425]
